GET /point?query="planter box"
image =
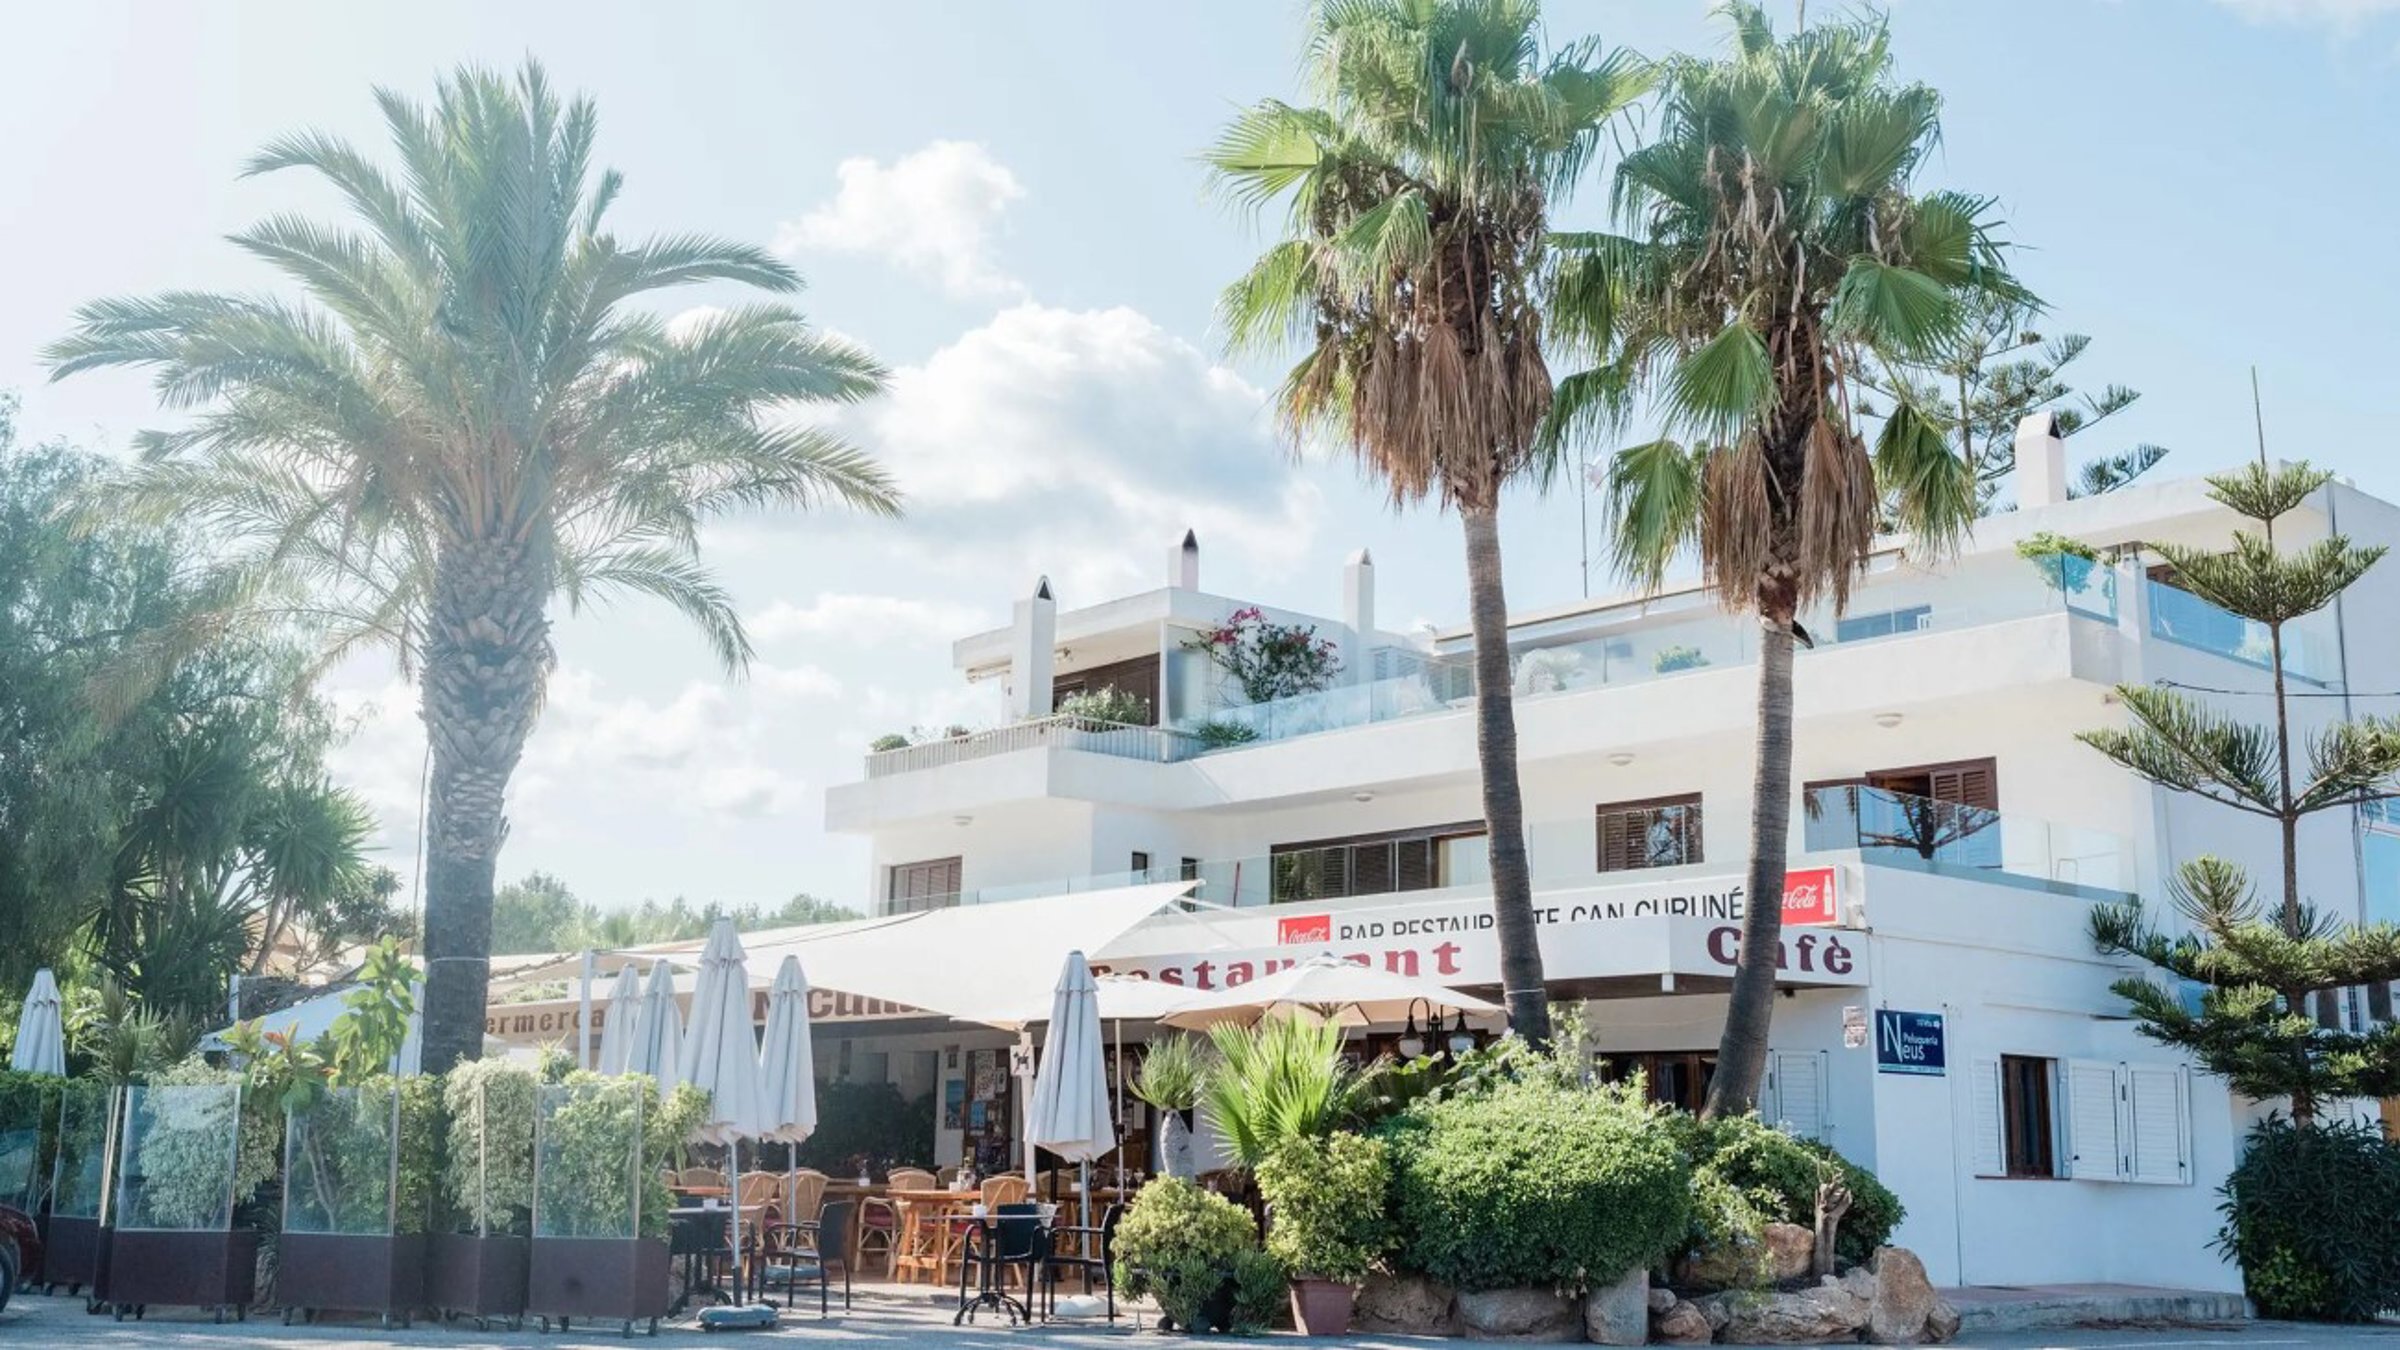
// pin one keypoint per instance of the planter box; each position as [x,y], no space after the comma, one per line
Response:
[351,1272]
[620,1280]
[478,1277]
[71,1253]
[169,1268]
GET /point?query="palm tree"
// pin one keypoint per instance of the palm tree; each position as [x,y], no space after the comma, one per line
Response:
[1413,271]
[466,417]
[1773,247]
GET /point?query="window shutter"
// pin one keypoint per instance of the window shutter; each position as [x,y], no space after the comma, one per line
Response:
[2161,1125]
[1975,783]
[1984,1086]
[1412,865]
[1616,853]
[1371,870]
[1798,1080]
[2093,1128]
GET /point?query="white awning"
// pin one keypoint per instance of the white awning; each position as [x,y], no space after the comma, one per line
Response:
[977,963]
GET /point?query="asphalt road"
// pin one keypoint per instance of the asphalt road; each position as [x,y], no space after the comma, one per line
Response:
[918,1324]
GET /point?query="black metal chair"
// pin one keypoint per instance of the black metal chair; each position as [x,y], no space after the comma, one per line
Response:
[796,1252]
[1012,1239]
[1070,1249]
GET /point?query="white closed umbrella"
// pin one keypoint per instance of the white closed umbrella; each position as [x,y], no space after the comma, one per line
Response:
[720,1057]
[657,1048]
[1070,1113]
[1327,989]
[41,1034]
[787,1060]
[621,1024]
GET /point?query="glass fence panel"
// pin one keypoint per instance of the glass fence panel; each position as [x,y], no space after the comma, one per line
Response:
[28,1115]
[2182,617]
[178,1160]
[588,1157]
[76,1173]
[339,1163]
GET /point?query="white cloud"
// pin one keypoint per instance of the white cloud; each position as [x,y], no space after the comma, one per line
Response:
[867,619]
[933,212]
[1080,444]
[2340,14]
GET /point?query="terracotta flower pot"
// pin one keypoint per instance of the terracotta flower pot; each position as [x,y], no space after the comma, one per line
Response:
[1322,1307]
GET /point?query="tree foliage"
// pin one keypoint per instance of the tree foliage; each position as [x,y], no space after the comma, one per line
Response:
[540,914]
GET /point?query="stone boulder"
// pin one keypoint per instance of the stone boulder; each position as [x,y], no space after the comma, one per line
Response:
[1405,1305]
[1941,1325]
[1682,1324]
[1904,1298]
[1619,1313]
[1859,1280]
[1520,1315]
[1662,1299]
[1818,1316]
[1782,1252]
[1791,1251]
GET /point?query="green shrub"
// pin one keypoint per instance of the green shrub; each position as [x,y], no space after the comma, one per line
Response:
[28,1134]
[1107,704]
[890,740]
[1534,1183]
[487,1180]
[1282,1079]
[1172,1073]
[1742,1163]
[2309,1214]
[258,1154]
[870,1125]
[1260,1285]
[1219,732]
[602,1142]
[1326,1201]
[1671,659]
[1178,1244]
[347,1147]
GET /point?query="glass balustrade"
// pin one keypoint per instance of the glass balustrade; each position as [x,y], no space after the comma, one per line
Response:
[2183,618]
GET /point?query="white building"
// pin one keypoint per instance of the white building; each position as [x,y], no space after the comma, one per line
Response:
[1952,838]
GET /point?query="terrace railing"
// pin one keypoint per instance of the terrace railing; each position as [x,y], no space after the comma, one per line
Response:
[1902,829]
[1158,745]
[2183,618]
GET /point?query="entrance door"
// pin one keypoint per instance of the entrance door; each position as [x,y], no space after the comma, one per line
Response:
[1677,1078]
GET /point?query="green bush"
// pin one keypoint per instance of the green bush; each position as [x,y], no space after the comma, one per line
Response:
[602,1142]
[1217,733]
[1107,704]
[487,1179]
[1260,1286]
[347,1147]
[1282,1079]
[1178,1244]
[1172,1073]
[1536,1183]
[1326,1201]
[28,1134]
[258,1152]
[2310,1213]
[1749,1174]
[870,1125]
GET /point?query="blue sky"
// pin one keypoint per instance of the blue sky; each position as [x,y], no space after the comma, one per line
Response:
[1002,202]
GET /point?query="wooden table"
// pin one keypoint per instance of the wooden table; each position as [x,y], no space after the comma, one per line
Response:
[928,1243]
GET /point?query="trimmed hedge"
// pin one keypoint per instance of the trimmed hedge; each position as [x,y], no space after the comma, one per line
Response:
[1774,1177]
[2310,1213]
[1534,1184]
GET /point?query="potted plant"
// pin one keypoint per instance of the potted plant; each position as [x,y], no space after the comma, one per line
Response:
[599,1206]
[476,1259]
[189,1154]
[1170,1080]
[2065,564]
[1671,659]
[1326,1222]
[1195,1253]
[357,1194]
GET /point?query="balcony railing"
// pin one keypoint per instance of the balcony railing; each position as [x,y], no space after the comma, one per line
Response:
[2184,618]
[1637,651]
[1158,745]
[1901,829]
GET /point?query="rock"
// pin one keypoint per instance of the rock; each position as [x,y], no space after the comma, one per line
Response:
[1736,1265]
[1619,1314]
[1662,1299]
[1941,1325]
[1405,1305]
[1717,1309]
[1818,1316]
[1904,1298]
[1791,1251]
[1683,1324]
[1519,1315]
[1860,1280]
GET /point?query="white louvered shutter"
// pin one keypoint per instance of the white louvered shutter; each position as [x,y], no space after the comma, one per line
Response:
[2159,1109]
[2094,1130]
[1983,1087]
[1797,1078]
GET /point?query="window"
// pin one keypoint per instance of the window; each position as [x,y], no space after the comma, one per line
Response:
[1858,627]
[1141,864]
[2028,1120]
[1138,677]
[1190,870]
[932,884]
[1379,864]
[2091,1120]
[1659,832]
[2381,846]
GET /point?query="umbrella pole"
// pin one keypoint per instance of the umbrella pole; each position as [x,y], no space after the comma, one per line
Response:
[733,1168]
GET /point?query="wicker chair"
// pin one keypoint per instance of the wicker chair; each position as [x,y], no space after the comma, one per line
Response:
[1010,1190]
[806,1195]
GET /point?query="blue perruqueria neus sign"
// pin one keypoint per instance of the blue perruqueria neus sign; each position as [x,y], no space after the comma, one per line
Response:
[1908,1042]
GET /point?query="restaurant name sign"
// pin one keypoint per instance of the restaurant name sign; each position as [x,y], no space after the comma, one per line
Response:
[554,1019]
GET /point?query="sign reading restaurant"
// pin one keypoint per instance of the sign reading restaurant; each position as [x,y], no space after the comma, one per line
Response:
[552,1019]
[1603,931]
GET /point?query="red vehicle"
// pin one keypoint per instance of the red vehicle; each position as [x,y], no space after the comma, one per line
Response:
[20,1250]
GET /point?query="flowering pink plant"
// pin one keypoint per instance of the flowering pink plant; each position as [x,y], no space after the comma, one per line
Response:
[1269,660]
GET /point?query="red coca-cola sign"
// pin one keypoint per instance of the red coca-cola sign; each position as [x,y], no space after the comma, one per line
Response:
[1304,928]
[1808,898]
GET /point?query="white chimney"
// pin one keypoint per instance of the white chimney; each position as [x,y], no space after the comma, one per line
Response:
[1032,654]
[1183,563]
[1358,611]
[2041,461]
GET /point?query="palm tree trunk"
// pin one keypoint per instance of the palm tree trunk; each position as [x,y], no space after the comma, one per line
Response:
[1503,801]
[1742,1049]
[487,652]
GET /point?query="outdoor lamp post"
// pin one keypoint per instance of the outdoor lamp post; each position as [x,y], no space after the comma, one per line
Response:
[1461,1039]
[1412,1045]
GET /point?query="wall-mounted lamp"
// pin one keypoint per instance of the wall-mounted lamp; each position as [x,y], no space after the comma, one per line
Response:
[1887,720]
[1462,1041]
[1621,758]
[1412,1044]
[1362,797]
